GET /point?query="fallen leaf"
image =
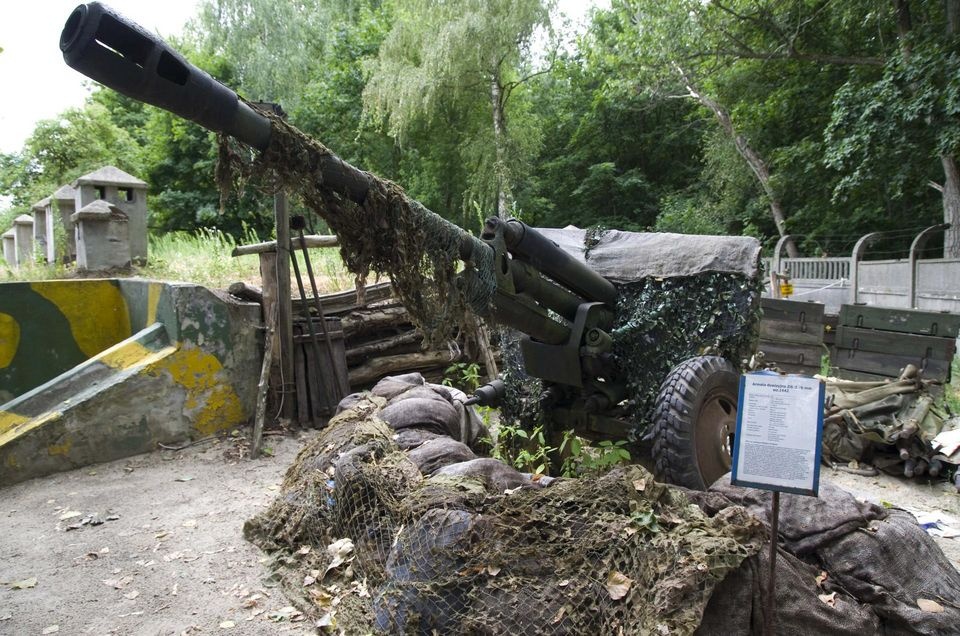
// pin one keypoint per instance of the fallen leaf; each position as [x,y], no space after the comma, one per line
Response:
[830,599]
[618,584]
[493,570]
[639,485]
[24,584]
[131,595]
[309,580]
[325,621]
[289,612]
[52,629]
[304,549]
[928,605]
[118,583]
[227,624]
[338,551]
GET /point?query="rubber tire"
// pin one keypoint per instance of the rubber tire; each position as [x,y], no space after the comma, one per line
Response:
[704,381]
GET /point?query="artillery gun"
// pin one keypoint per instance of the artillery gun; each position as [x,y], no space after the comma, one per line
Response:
[563,290]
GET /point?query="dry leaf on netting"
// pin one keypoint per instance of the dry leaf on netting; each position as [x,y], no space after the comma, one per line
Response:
[618,584]
[830,599]
[928,605]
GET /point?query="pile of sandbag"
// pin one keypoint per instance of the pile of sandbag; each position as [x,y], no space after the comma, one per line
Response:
[390,521]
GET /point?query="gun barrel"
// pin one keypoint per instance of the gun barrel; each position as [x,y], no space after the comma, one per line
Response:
[107,47]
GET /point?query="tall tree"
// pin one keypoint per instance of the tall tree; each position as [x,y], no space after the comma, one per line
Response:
[442,57]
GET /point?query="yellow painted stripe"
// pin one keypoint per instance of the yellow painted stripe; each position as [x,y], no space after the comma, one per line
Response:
[125,355]
[8,420]
[28,425]
[153,299]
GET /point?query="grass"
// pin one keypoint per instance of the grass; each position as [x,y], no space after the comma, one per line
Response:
[951,394]
[203,257]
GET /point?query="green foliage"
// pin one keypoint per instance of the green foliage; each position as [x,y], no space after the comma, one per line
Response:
[453,69]
[580,458]
[526,451]
[462,375]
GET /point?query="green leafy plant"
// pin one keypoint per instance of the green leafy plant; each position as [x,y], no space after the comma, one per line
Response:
[526,451]
[462,375]
[582,458]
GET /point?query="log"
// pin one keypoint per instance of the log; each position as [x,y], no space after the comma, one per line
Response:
[346,301]
[372,349]
[312,240]
[246,292]
[404,363]
[358,323]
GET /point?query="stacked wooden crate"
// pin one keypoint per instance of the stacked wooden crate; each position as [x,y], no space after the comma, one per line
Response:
[791,335]
[877,342]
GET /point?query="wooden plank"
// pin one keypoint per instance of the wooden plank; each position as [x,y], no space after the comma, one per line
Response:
[889,365]
[310,240]
[928,323]
[793,354]
[796,332]
[791,310]
[891,342]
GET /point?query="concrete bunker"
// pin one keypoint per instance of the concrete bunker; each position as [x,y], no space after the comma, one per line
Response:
[95,370]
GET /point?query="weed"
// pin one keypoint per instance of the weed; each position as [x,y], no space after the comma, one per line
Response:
[462,375]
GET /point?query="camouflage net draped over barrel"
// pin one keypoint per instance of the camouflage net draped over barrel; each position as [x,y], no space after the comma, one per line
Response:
[389,233]
[473,547]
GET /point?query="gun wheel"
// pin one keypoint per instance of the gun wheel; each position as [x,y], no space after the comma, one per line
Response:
[694,420]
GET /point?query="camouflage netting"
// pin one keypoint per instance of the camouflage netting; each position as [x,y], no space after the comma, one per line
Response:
[444,540]
[666,321]
[388,522]
[389,233]
[660,322]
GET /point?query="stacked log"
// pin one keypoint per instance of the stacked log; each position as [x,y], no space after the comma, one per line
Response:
[380,338]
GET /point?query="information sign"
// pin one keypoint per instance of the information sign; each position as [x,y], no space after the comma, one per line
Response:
[778,436]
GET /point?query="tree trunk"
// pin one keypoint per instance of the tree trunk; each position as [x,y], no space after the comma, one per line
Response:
[951,175]
[376,368]
[756,163]
[499,139]
[951,206]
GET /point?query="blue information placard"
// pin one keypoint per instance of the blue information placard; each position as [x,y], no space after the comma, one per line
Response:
[779,432]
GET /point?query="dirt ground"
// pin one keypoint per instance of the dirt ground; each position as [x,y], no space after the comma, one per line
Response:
[170,558]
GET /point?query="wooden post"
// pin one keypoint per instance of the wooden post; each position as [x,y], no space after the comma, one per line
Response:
[769,623]
[285,304]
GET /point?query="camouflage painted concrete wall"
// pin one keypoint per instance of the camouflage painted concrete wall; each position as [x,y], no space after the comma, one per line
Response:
[104,369]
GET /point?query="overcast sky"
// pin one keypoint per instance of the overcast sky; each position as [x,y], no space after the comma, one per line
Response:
[35,83]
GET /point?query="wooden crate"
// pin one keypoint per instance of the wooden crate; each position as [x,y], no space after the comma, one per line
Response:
[791,334]
[880,342]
